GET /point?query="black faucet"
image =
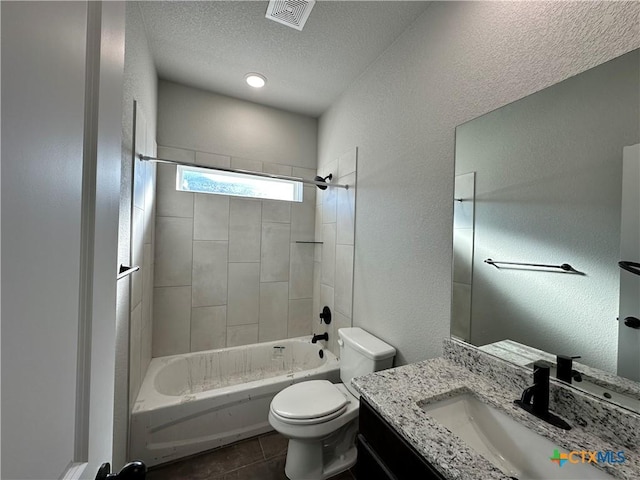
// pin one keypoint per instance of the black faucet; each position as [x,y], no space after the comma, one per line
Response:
[565,371]
[324,336]
[535,399]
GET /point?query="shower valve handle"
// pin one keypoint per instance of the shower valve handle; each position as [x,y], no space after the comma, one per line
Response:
[325,316]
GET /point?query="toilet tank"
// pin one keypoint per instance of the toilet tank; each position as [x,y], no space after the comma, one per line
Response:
[361,353]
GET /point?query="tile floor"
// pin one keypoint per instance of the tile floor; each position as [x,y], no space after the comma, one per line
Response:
[258,458]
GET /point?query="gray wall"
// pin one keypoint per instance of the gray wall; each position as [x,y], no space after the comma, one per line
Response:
[228,271]
[132,357]
[207,122]
[548,190]
[62,65]
[456,62]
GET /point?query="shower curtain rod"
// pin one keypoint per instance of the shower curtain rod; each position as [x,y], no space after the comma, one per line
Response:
[246,172]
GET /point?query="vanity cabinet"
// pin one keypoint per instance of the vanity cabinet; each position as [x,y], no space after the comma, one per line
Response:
[384,455]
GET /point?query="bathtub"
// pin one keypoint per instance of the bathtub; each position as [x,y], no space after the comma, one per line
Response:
[197,401]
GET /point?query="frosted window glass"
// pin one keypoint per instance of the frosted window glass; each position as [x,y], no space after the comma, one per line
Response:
[202,180]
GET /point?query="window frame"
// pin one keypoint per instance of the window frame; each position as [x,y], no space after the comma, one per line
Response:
[248,179]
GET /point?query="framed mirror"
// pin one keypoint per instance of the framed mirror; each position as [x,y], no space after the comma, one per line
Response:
[537,226]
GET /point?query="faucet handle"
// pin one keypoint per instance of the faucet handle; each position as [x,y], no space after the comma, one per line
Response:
[325,315]
[564,364]
[541,370]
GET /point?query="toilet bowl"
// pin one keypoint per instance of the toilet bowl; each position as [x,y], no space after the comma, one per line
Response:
[320,418]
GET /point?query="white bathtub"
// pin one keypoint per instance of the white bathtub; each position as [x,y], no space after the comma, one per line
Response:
[197,401]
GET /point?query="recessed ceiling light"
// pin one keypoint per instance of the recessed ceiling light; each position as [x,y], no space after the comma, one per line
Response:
[255,80]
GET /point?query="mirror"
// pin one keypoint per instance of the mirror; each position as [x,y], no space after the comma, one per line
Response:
[538,185]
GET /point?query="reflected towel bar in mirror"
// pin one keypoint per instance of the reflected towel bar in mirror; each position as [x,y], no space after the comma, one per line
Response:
[565,267]
[632,267]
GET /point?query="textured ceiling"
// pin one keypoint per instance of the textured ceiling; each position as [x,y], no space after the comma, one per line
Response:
[212,45]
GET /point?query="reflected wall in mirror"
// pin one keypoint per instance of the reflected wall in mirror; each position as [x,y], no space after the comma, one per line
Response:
[547,190]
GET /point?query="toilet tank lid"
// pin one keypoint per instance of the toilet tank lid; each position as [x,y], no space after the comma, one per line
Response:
[365,343]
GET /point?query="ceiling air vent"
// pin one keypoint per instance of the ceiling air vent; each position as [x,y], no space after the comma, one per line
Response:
[293,13]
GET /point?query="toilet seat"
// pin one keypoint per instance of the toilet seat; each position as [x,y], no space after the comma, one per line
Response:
[310,402]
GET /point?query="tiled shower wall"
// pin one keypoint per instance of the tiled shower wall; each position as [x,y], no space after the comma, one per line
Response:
[142,245]
[228,270]
[333,265]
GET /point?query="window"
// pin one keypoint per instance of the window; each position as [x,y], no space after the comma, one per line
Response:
[203,180]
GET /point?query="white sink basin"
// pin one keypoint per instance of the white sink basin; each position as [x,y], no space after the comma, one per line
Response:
[517,451]
[599,391]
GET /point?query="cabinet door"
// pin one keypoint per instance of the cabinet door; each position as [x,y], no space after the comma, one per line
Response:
[392,451]
[369,465]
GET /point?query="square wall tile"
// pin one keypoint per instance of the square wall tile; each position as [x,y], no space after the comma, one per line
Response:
[149,202]
[139,176]
[301,270]
[135,352]
[173,251]
[242,335]
[342,321]
[176,154]
[274,307]
[208,328]
[329,168]
[304,173]
[347,162]
[169,201]
[145,351]
[245,230]
[213,160]
[246,164]
[346,211]
[318,223]
[137,253]
[329,203]
[139,166]
[300,317]
[171,322]
[317,271]
[303,214]
[344,279]
[209,274]
[326,297]
[328,254]
[274,253]
[276,211]
[243,298]
[276,169]
[147,287]
[210,217]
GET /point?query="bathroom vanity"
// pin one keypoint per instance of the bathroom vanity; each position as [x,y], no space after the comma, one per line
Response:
[383,453]
[404,433]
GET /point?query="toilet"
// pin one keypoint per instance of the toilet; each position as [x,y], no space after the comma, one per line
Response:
[320,418]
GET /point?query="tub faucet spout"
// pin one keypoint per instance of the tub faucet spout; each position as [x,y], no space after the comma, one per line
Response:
[324,336]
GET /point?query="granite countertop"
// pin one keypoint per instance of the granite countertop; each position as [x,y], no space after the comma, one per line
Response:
[395,394]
